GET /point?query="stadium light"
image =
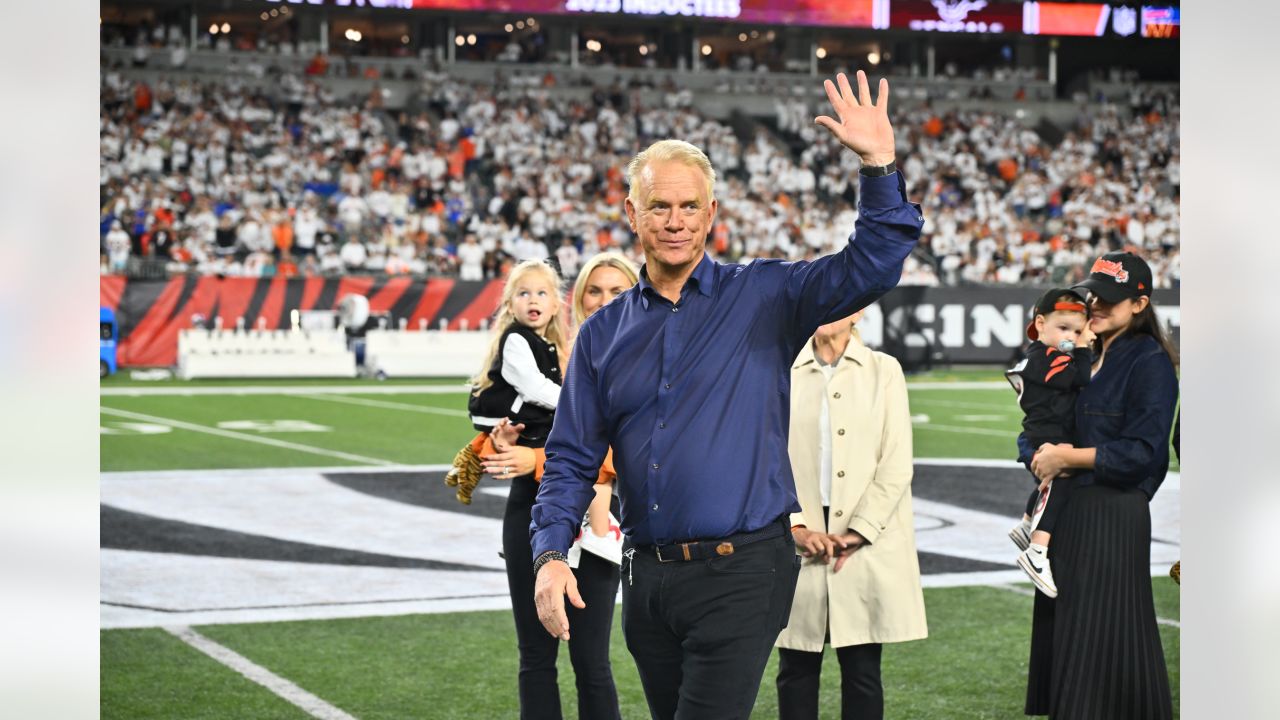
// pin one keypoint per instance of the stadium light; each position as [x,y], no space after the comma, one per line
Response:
[821,53]
[873,57]
[644,49]
[213,29]
[508,27]
[404,39]
[459,40]
[531,22]
[706,49]
[471,39]
[226,28]
[274,13]
[755,34]
[284,11]
[264,17]
[519,24]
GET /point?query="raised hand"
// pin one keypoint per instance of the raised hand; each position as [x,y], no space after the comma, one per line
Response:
[863,126]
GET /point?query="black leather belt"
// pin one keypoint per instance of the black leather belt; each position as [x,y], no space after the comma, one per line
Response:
[702,549]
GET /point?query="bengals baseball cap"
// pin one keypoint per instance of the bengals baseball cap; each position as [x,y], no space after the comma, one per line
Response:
[1118,276]
[1049,302]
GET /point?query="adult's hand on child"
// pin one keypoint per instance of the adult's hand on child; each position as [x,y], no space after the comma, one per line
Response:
[1050,461]
[555,580]
[511,463]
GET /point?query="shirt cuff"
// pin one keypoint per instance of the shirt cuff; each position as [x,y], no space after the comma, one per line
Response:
[882,193]
[865,528]
[556,537]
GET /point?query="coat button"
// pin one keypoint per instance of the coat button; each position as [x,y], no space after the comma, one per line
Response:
[839,513]
[840,474]
[836,396]
[840,431]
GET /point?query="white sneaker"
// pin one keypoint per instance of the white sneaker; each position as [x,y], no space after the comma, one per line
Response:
[608,546]
[1021,534]
[1035,563]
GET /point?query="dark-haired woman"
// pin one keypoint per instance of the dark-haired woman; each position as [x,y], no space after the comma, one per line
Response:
[1095,650]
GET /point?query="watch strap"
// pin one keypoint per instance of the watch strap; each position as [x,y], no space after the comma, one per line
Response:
[879,170]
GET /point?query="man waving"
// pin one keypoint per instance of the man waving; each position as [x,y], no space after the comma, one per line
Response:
[686,377]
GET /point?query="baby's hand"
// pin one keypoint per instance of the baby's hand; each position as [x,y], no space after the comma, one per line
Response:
[505,434]
[1086,337]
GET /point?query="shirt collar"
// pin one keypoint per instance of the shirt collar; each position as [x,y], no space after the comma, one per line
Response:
[703,279]
[854,351]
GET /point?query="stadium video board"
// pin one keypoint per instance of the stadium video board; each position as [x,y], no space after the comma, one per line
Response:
[843,13]
[950,16]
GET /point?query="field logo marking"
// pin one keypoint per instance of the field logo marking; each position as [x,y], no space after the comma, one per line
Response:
[181,425]
[133,428]
[274,426]
[288,691]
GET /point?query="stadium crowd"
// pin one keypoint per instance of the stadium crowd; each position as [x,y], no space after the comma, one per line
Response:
[214,177]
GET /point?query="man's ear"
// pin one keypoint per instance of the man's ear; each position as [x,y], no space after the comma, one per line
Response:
[629,207]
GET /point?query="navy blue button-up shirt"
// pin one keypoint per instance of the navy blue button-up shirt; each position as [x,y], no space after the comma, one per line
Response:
[694,396]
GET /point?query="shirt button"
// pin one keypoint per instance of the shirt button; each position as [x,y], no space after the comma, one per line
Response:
[655,507]
[839,513]
[667,386]
[655,466]
[662,426]
[836,396]
[675,309]
[840,431]
[840,474]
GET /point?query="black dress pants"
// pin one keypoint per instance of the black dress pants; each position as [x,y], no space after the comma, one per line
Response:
[861,692]
[701,630]
[591,626]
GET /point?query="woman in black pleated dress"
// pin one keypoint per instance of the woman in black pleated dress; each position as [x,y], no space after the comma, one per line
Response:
[1095,650]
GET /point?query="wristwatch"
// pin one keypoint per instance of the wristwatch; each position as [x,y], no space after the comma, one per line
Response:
[879,170]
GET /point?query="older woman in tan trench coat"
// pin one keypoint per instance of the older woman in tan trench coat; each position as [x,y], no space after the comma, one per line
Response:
[859,586]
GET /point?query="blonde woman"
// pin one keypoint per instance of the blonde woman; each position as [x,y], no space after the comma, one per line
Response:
[604,277]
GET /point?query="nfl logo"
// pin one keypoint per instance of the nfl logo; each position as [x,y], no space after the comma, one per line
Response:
[1124,21]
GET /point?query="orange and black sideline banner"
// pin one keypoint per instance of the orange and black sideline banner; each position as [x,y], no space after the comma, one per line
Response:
[151,312]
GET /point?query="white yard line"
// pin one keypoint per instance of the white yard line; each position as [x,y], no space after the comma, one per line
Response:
[962,405]
[247,438]
[975,385]
[308,703]
[387,405]
[1032,593]
[967,430]
[132,391]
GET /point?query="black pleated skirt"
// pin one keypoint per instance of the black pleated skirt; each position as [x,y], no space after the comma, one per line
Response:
[1095,650]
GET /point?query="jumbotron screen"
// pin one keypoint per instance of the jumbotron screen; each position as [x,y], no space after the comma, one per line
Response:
[842,13]
[955,16]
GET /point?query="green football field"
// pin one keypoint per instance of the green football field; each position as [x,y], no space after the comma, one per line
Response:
[463,665]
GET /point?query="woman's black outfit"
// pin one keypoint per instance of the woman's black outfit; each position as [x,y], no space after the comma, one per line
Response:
[1095,650]
[590,627]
